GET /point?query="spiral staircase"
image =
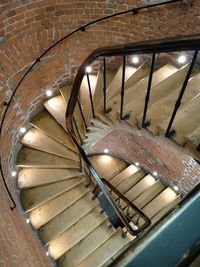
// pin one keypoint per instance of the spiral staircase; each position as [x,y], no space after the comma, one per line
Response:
[62,202]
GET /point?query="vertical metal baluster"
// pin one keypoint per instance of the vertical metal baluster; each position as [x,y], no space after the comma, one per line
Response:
[90,94]
[76,126]
[104,84]
[82,115]
[178,102]
[144,122]
[122,87]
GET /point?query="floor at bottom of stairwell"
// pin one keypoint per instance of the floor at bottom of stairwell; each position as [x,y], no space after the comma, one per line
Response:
[154,155]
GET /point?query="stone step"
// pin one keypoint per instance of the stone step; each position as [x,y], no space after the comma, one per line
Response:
[32,177]
[67,218]
[120,177]
[107,252]
[86,246]
[31,158]
[40,141]
[159,119]
[46,212]
[34,197]
[68,239]
[44,122]
[193,138]
[141,86]
[187,118]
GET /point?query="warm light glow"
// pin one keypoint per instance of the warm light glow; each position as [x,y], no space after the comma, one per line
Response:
[13,173]
[135,59]
[137,164]
[155,173]
[48,93]
[181,59]
[27,220]
[88,69]
[47,253]
[23,130]
[106,150]
[176,188]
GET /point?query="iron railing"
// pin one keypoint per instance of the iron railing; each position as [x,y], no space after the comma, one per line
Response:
[152,48]
[82,28]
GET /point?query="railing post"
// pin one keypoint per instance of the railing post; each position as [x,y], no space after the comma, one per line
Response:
[90,95]
[144,122]
[169,133]
[82,115]
[104,84]
[122,87]
[77,130]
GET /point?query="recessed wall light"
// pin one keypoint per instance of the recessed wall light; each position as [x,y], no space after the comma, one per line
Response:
[49,93]
[22,129]
[135,59]
[13,173]
[181,59]
[155,173]
[47,253]
[176,188]
[88,69]
[137,164]
[27,220]
[106,150]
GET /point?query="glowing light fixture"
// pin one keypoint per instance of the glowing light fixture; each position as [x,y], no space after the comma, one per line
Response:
[106,150]
[88,69]
[49,93]
[47,253]
[176,188]
[27,220]
[155,173]
[181,59]
[13,173]
[22,129]
[135,60]
[137,164]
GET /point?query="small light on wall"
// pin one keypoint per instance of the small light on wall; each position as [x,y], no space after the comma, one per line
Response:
[176,188]
[47,253]
[155,173]
[181,59]
[106,150]
[137,164]
[88,69]
[135,60]
[49,93]
[13,173]
[27,220]
[22,129]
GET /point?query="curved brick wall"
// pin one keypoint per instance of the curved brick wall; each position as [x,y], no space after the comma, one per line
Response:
[28,27]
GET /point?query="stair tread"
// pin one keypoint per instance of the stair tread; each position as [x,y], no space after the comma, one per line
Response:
[86,246]
[52,208]
[31,177]
[29,157]
[56,106]
[75,233]
[158,76]
[47,124]
[65,93]
[107,166]
[148,194]
[67,218]
[130,181]
[167,104]
[40,141]
[194,137]
[106,252]
[130,170]
[140,187]
[115,85]
[188,113]
[98,93]
[34,197]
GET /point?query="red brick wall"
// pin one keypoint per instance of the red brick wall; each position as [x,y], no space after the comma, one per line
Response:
[28,27]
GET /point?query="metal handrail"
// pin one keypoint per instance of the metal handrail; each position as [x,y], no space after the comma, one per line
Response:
[156,46]
[82,28]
